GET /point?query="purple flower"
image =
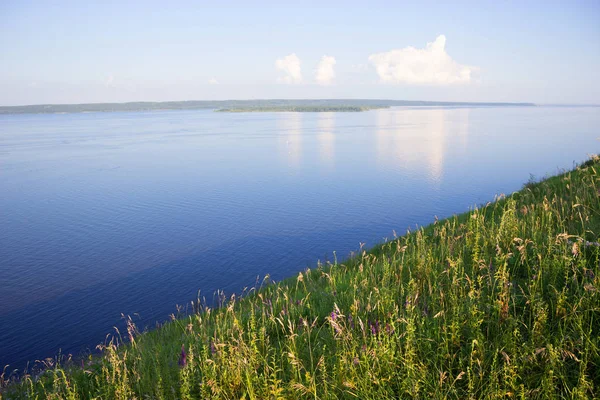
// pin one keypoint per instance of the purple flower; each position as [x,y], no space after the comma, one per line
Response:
[333,315]
[388,329]
[213,348]
[355,361]
[589,273]
[183,357]
[374,327]
[425,310]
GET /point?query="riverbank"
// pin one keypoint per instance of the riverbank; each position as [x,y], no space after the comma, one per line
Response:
[502,301]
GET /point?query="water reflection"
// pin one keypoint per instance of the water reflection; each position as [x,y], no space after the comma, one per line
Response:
[326,138]
[290,130]
[405,137]
[436,143]
[463,128]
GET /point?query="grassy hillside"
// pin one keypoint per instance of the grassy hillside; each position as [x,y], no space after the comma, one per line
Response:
[500,302]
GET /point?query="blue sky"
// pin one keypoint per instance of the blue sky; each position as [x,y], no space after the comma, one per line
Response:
[72,52]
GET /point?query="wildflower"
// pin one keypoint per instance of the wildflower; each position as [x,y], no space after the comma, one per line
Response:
[355,361]
[374,327]
[213,348]
[425,310]
[589,273]
[388,329]
[333,316]
[351,321]
[183,357]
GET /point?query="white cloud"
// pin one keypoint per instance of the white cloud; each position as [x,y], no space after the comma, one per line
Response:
[213,81]
[290,65]
[428,66]
[325,73]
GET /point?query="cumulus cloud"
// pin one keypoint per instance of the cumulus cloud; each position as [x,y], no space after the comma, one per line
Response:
[325,73]
[290,66]
[428,66]
[213,81]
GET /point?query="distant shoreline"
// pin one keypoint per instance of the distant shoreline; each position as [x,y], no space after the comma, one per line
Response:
[274,105]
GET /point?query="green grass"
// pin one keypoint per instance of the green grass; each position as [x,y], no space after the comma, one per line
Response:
[501,302]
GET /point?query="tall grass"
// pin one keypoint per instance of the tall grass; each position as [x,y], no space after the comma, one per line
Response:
[499,302]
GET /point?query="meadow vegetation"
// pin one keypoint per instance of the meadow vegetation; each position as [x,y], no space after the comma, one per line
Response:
[500,302]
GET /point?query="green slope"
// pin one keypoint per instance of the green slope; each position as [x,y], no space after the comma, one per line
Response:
[499,302]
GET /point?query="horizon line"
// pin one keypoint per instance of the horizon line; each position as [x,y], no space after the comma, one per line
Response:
[306,99]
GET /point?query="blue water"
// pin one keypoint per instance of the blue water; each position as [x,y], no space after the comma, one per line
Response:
[110,213]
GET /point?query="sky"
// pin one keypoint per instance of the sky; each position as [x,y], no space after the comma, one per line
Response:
[117,51]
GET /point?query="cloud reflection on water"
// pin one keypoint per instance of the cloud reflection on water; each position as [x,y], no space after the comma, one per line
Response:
[326,138]
[407,136]
[290,125]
